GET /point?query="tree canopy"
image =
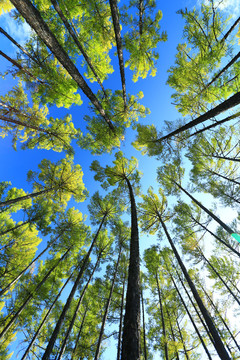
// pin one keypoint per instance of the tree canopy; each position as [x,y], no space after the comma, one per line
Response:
[120,184]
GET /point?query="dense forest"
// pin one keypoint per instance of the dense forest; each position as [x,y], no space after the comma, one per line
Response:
[96,261]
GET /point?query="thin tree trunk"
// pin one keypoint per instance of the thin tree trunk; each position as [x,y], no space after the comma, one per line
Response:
[79,333]
[30,296]
[219,346]
[217,237]
[223,177]
[222,224]
[27,267]
[121,321]
[230,30]
[191,318]
[26,125]
[61,319]
[140,3]
[44,320]
[220,277]
[63,347]
[172,332]
[97,353]
[34,19]
[131,328]
[216,123]
[15,227]
[162,318]
[16,43]
[224,106]
[220,316]
[183,342]
[25,197]
[117,30]
[144,331]
[80,47]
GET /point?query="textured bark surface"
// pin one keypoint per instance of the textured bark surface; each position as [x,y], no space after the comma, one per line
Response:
[131,328]
[34,19]
[117,30]
[218,344]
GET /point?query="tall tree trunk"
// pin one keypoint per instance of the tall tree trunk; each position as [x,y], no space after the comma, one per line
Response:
[140,4]
[144,330]
[44,320]
[224,38]
[131,328]
[220,316]
[219,122]
[97,353]
[162,319]
[172,332]
[182,340]
[79,333]
[224,106]
[219,346]
[30,296]
[220,222]
[80,47]
[25,197]
[121,320]
[63,347]
[219,275]
[15,227]
[27,267]
[217,237]
[61,319]
[191,318]
[34,19]
[117,30]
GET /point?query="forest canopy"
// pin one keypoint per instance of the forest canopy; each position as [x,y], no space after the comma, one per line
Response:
[120,184]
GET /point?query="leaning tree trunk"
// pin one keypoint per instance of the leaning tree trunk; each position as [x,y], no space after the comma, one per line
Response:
[25,197]
[131,327]
[182,340]
[224,106]
[117,30]
[121,320]
[162,319]
[30,296]
[97,353]
[44,320]
[144,328]
[172,332]
[218,344]
[27,267]
[191,318]
[80,47]
[63,347]
[35,20]
[61,319]
[79,334]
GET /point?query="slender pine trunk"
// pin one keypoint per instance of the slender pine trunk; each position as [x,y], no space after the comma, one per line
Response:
[25,197]
[66,307]
[63,347]
[131,328]
[79,333]
[15,227]
[224,106]
[182,340]
[97,353]
[191,318]
[80,47]
[172,332]
[117,30]
[44,320]
[144,328]
[35,20]
[219,346]
[162,319]
[27,267]
[121,321]
[30,296]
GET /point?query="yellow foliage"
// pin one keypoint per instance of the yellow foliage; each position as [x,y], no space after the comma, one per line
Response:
[5,6]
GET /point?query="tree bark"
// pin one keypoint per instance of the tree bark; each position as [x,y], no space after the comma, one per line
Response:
[117,30]
[218,344]
[61,319]
[44,320]
[144,330]
[79,333]
[19,311]
[97,353]
[224,106]
[80,47]
[121,321]
[34,19]
[131,328]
